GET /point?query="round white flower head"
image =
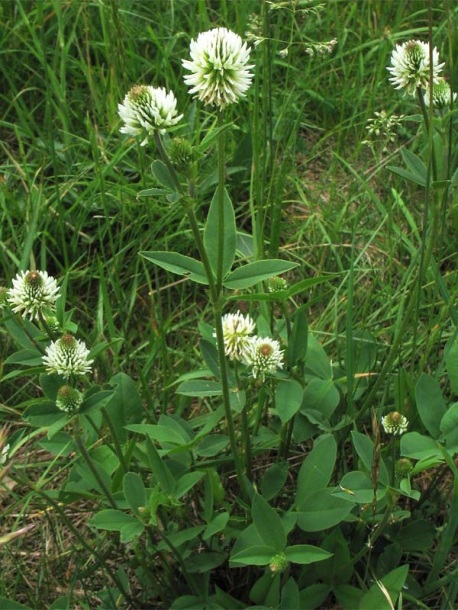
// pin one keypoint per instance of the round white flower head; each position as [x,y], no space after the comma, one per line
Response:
[69,399]
[220,72]
[410,66]
[442,94]
[146,109]
[237,329]
[264,356]
[67,356]
[32,293]
[394,423]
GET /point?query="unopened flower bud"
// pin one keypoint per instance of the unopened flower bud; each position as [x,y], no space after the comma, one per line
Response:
[69,399]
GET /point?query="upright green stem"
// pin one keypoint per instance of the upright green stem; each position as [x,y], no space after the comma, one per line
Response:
[221,181]
[215,287]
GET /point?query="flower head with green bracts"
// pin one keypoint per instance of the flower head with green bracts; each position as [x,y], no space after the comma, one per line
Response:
[264,356]
[32,293]
[67,356]
[394,423]
[442,94]
[410,66]
[237,331]
[146,109]
[69,399]
[219,66]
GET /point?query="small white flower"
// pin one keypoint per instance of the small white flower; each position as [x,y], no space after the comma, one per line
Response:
[264,356]
[67,356]
[69,399]
[442,94]
[32,293]
[220,72]
[410,67]
[237,329]
[394,423]
[146,109]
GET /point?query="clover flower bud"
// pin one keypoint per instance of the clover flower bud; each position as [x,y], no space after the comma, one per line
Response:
[276,284]
[403,467]
[278,563]
[181,153]
[69,399]
[442,94]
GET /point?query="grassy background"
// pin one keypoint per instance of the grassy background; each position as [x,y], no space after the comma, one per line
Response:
[69,184]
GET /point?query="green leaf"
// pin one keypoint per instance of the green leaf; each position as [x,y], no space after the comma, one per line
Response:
[400,171]
[449,428]
[365,448]
[416,446]
[414,164]
[451,363]
[316,470]
[187,482]
[26,357]
[268,524]
[134,491]
[288,399]
[199,387]
[317,361]
[430,403]
[111,519]
[321,398]
[179,264]
[305,553]
[289,595]
[131,531]
[216,525]
[273,480]
[376,597]
[162,174]
[211,234]
[297,342]
[125,406]
[254,556]
[323,510]
[161,472]
[357,487]
[253,273]
[162,434]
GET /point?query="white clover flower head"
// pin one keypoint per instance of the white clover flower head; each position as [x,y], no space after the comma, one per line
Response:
[264,356]
[237,331]
[67,356]
[220,72]
[69,399]
[32,293]
[410,66]
[394,423]
[442,94]
[146,109]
